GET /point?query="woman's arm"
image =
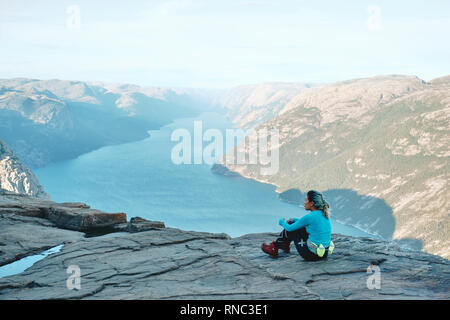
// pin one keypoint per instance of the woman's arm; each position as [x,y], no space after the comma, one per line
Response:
[298,223]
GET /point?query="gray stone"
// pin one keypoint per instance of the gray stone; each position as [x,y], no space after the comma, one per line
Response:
[67,215]
[154,262]
[22,236]
[168,263]
[15,176]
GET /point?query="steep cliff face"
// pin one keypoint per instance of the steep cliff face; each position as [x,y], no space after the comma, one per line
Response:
[146,260]
[379,149]
[16,177]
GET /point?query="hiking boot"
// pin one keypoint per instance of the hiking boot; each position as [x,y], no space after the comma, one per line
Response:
[285,246]
[270,249]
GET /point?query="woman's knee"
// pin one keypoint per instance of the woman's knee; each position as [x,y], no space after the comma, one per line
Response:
[297,234]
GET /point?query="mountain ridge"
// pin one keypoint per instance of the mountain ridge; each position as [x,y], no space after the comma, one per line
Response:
[384,137]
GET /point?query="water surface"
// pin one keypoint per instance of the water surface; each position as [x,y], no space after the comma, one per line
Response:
[140,179]
[23,264]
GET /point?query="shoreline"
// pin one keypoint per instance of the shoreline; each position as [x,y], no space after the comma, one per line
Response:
[272,185]
[276,190]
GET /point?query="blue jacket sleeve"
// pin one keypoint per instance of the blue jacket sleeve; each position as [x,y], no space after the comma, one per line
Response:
[299,223]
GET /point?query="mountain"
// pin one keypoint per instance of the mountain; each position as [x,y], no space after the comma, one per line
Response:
[250,105]
[146,260]
[16,177]
[377,147]
[46,121]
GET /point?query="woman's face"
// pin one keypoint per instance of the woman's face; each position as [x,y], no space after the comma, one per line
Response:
[308,205]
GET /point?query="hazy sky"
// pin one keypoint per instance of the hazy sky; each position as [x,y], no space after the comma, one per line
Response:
[221,43]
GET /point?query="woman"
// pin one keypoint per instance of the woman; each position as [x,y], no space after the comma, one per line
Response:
[311,233]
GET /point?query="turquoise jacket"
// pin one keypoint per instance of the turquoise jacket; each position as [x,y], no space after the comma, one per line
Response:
[318,227]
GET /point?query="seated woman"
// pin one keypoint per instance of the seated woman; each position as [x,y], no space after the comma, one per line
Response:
[311,233]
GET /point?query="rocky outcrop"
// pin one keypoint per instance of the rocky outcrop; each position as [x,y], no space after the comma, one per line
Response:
[138,224]
[167,263]
[22,236]
[17,177]
[30,225]
[66,215]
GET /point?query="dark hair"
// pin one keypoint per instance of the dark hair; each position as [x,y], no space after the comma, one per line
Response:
[319,202]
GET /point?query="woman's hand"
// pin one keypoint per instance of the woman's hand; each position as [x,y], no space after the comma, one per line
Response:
[281,221]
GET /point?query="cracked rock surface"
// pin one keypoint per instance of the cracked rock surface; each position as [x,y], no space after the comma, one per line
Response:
[149,261]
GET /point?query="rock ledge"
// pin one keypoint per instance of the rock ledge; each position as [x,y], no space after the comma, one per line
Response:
[144,260]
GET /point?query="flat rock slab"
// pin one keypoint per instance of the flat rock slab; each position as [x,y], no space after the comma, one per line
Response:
[175,264]
[29,225]
[67,215]
[21,236]
[142,259]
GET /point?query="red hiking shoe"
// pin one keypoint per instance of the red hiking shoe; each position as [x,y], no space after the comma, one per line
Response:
[270,249]
[286,246]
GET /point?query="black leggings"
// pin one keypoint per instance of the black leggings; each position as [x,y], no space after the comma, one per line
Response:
[299,237]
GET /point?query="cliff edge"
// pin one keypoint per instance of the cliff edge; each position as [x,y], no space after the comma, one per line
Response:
[141,259]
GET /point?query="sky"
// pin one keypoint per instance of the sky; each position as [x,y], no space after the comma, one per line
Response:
[223,43]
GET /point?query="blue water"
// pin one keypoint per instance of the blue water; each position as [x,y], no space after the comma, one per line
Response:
[140,179]
[25,263]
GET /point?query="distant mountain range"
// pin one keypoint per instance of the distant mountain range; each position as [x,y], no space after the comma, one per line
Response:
[378,147]
[45,121]
[249,105]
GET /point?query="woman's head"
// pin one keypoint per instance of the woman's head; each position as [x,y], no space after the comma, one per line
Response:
[315,201]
